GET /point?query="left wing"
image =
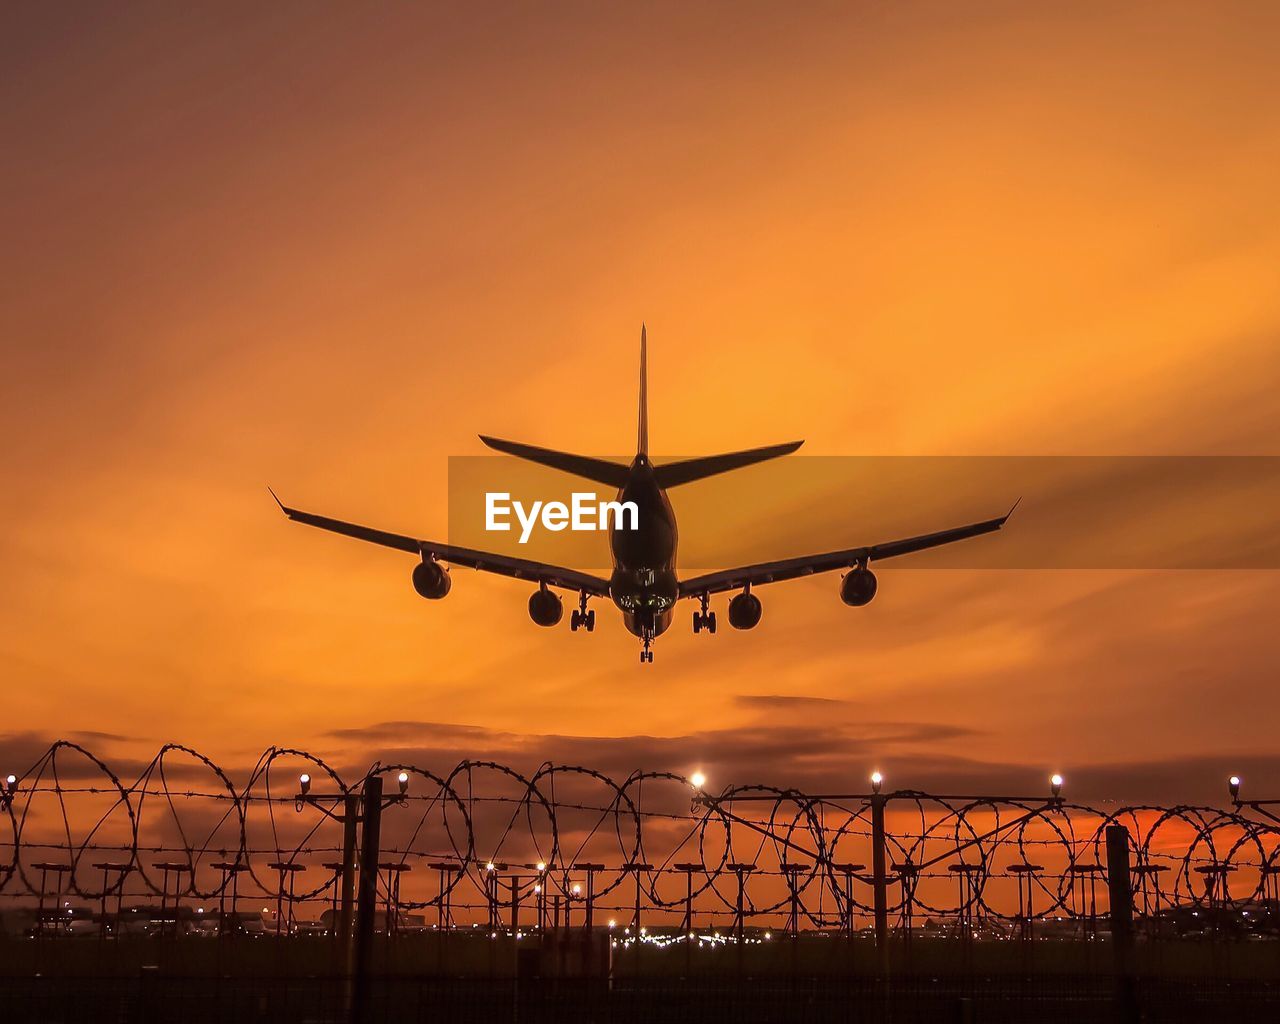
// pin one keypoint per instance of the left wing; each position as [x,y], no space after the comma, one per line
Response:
[502,565]
[792,568]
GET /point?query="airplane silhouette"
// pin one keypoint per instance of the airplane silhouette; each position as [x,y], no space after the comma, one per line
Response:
[644,584]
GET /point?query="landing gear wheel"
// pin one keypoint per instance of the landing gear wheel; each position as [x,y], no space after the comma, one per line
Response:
[581,618]
[711,623]
[697,622]
[646,656]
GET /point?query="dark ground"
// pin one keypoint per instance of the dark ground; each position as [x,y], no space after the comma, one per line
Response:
[471,978]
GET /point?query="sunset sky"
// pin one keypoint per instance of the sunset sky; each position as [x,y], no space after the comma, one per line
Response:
[322,248]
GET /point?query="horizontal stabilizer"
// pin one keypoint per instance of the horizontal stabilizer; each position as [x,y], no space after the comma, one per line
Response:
[697,469]
[601,471]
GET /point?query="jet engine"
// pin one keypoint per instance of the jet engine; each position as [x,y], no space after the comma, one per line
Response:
[745,611]
[545,608]
[858,587]
[431,580]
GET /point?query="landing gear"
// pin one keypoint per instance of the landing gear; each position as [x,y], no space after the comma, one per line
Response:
[646,654]
[581,618]
[704,619]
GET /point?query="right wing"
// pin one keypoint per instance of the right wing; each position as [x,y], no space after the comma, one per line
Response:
[807,565]
[502,565]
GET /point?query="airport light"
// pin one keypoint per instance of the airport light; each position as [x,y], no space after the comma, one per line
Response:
[1233,784]
[1055,785]
[576,890]
[304,783]
[403,779]
[490,866]
[697,780]
[11,783]
[877,780]
[542,866]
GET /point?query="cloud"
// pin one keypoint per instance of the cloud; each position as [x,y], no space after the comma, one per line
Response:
[777,701]
[812,757]
[803,742]
[91,736]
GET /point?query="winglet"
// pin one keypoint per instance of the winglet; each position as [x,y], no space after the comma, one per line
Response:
[278,501]
[642,433]
[1011,510]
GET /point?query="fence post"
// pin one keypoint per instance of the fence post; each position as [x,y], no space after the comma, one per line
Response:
[367,906]
[1121,899]
[350,818]
[880,882]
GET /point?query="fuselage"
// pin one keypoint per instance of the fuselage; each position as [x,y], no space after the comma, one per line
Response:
[643,584]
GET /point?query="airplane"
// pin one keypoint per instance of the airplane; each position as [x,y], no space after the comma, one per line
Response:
[644,584]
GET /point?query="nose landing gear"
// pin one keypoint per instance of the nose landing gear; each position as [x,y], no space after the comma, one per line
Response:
[646,654]
[704,619]
[581,618]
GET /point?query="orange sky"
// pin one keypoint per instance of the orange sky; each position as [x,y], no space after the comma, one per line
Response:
[323,248]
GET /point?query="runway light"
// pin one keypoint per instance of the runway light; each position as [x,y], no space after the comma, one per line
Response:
[1055,784]
[1233,784]
[877,780]
[403,779]
[304,783]
[768,936]
[613,923]
[697,780]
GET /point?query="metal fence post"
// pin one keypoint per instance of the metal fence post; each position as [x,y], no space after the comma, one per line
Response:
[880,882]
[367,906]
[1121,900]
[350,819]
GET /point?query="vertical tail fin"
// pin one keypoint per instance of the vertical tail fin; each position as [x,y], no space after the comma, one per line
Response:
[642,434]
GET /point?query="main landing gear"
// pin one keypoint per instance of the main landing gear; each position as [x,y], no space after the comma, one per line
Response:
[704,619]
[581,618]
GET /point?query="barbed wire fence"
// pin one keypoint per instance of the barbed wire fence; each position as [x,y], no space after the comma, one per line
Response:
[484,846]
